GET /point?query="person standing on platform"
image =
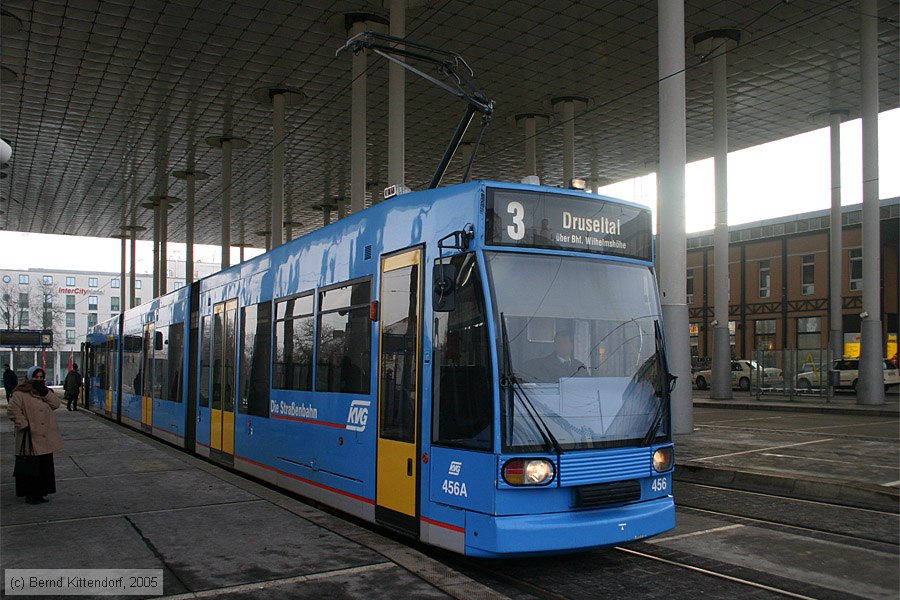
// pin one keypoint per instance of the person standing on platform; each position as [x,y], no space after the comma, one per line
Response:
[31,409]
[10,380]
[72,387]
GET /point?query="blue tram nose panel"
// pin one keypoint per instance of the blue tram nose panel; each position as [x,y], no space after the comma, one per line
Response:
[523,535]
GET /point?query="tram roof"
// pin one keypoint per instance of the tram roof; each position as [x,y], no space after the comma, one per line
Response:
[94,93]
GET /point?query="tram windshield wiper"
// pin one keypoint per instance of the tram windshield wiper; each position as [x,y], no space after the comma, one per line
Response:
[510,383]
[665,383]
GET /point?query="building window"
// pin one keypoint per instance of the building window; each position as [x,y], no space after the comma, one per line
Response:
[856,271]
[690,286]
[48,279]
[70,281]
[48,300]
[137,284]
[809,332]
[23,317]
[70,301]
[114,303]
[23,299]
[114,283]
[70,319]
[70,336]
[23,279]
[808,274]
[765,279]
[92,302]
[765,334]
[137,300]
[92,282]
[92,319]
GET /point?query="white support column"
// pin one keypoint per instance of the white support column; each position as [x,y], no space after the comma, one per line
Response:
[530,123]
[715,46]
[227,144]
[191,177]
[721,365]
[163,242]
[279,98]
[155,251]
[397,103]
[124,237]
[132,281]
[871,374]
[358,127]
[277,226]
[566,107]
[226,203]
[672,252]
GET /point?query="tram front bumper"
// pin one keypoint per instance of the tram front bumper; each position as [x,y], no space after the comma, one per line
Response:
[523,535]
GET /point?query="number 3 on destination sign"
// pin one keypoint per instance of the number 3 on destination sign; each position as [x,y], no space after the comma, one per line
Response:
[516,231]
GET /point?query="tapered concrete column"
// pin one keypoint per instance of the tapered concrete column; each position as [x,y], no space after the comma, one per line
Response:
[714,45]
[354,23]
[155,209]
[227,144]
[565,107]
[871,369]
[124,239]
[278,97]
[163,242]
[833,118]
[672,253]
[358,128]
[397,103]
[161,205]
[132,281]
[326,208]
[191,177]
[530,122]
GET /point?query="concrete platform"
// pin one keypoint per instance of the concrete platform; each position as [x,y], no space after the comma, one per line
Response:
[832,450]
[126,501]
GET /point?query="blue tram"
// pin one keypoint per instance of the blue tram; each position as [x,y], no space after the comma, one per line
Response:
[479,366]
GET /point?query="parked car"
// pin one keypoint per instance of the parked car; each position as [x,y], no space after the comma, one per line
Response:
[742,373]
[849,371]
[811,376]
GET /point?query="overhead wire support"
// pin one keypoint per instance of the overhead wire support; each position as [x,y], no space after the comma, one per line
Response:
[450,65]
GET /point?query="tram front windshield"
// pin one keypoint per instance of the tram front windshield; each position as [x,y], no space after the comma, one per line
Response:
[581,349]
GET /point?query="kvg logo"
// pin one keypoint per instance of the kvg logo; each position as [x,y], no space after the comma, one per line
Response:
[359,415]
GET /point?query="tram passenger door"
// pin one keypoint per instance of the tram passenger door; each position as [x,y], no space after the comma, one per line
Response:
[221,434]
[399,391]
[147,391]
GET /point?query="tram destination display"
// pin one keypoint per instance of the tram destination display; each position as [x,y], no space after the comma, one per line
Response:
[565,222]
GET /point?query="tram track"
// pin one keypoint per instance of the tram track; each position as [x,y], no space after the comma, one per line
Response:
[844,525]
[711,573]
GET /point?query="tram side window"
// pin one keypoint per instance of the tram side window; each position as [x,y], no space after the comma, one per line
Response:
[343,350]
[161,363]
[463,403]
[176,362]
[131,364]
[100,360]
[294,323]
[204,361]
[256,348]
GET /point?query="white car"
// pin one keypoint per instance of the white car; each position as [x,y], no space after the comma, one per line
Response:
[849,371]
[742,373]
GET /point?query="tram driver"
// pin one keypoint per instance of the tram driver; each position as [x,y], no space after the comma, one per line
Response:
[558,364]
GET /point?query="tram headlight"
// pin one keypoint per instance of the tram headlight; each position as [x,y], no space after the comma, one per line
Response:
[662,459]
[525,471]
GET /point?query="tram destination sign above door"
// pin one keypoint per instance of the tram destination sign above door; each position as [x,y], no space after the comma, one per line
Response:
[566,222]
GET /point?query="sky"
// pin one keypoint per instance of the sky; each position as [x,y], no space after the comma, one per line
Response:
[777,179]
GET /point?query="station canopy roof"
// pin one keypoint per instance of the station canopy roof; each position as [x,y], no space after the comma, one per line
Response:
[101,97]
